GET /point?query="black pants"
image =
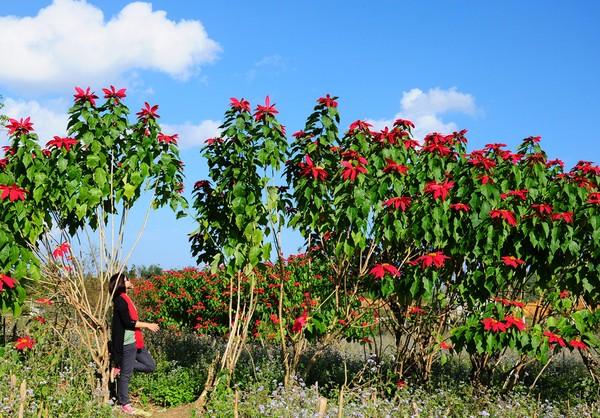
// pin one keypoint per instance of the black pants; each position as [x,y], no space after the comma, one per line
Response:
[133,359]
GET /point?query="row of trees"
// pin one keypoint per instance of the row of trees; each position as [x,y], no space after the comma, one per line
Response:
[450,243]
[447,245]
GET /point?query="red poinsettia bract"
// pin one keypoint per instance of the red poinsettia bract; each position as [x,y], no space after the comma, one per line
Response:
[542,208]
[300,322]
[12,192]
[327,101]
[167,139]
[434,259]
[416,310]
[241,105]
[148,112]
[508,302]
[352,169]
[60,142]
[512,261]
[86,95]
[460,207]
[439,190]
[491,324]
[62,250]
[512,321]
[505,214]
[594,198]
[554,339]
[113,93]
[394,167]
[24,343]
[578,344]
[404,123]
[6,281]
[521,194]
[268,109]
[19,127]
[380,270]
[445,346]
[401,202]
[567,217]
[309,169]
[360,125]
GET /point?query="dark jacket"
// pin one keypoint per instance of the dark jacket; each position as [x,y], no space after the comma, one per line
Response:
[120,322]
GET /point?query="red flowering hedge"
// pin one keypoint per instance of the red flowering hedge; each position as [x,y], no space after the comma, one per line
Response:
[198,300]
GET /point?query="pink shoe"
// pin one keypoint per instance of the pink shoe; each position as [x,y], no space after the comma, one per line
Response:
[127,409]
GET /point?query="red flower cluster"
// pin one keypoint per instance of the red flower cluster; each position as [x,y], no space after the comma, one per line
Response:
[268,109]
[24,343]
[19,127]
[300,322]
[6,281]
[167,139]
[554,338]
[380,270]
[59,142]
[13,192]
[542,208]
[352,168]
[563,216]
[62,250]
[478,159]
[508,302]
[564,294]
[439,190]
[416,310]
[521,194]
[511,321]
[460,207]
[242,105]
[85,96]
[309,169]
[148,112]
[505,214]
[594,198]
[491,324]
[404,123]
[436,259]
[360,125]
[445,346]
[328,101]
[439,144]
[394,167]
[578,344]
[401,202]
[512,261]
[115,94]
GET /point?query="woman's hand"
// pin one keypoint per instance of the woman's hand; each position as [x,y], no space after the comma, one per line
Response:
[152,327]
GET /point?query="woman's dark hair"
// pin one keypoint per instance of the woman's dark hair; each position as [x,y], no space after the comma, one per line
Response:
[116,284]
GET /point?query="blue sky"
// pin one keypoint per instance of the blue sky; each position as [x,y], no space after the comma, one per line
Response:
[503,70]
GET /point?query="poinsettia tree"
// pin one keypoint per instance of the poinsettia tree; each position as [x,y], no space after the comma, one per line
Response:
[239,212]
[79,189]
[428,229]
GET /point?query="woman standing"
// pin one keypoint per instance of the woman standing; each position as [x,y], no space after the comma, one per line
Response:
[127,348]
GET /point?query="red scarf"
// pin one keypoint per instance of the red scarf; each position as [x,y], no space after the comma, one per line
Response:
[133,314]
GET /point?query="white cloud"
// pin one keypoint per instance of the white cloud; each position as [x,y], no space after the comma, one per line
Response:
[425,110]
[272,64]
[69,42]
[48,120]
[191,135]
